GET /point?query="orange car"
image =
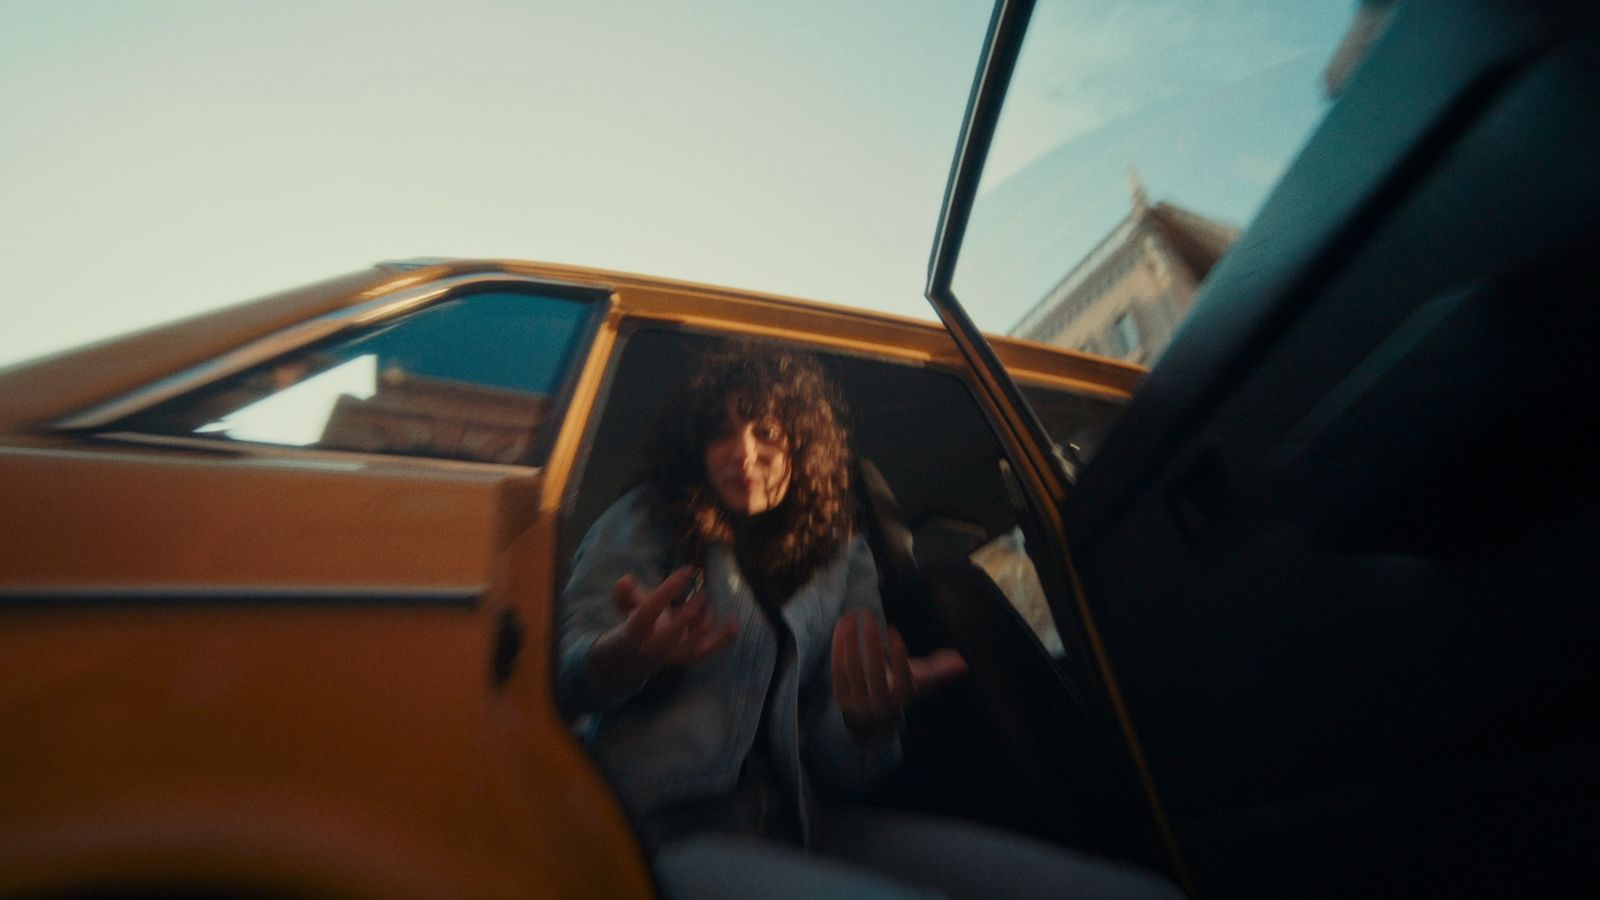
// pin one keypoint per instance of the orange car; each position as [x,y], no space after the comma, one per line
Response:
[278,581]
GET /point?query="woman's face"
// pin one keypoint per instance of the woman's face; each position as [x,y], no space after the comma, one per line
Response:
[747,462]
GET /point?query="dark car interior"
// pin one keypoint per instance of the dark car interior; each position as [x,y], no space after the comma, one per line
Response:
[1341,544]
[1015,742]
[899,416]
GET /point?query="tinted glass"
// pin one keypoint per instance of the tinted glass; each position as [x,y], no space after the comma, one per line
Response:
[471,377]
[1136,141]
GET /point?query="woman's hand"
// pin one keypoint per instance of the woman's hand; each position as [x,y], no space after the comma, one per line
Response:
[873,678]
[655,633]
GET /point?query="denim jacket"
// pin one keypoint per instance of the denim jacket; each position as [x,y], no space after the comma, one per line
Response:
[684,735]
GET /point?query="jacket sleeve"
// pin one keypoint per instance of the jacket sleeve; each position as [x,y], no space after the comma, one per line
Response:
[836,759]
[621,542]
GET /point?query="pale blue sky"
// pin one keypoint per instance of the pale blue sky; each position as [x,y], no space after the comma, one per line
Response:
[165,157]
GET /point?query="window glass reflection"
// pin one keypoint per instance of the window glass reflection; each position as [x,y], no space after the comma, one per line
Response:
[1136,141]
[470,377]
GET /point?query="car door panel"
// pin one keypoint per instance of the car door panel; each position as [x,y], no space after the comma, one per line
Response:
[293,671]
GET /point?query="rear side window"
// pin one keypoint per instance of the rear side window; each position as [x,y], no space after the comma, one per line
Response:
[471,377]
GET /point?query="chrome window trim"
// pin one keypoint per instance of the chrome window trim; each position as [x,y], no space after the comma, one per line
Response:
[296,336]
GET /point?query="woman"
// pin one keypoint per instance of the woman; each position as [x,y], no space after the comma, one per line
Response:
[721,634]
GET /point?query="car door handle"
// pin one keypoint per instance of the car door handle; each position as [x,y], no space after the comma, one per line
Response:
[508,641]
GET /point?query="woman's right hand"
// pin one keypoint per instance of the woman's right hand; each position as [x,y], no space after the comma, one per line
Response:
[655,633]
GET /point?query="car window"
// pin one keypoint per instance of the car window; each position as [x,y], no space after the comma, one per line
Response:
[1136,142]
[471,377]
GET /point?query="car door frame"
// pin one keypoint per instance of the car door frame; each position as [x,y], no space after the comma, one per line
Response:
[1043,474]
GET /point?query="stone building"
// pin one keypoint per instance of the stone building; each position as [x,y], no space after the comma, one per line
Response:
[410,413]
[1126,298]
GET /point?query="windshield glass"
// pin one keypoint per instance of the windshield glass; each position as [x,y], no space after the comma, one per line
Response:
[1136,141]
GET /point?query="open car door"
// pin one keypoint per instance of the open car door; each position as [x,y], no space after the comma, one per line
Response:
[1334,563]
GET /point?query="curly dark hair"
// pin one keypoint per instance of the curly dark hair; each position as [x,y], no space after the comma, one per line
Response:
[769,380]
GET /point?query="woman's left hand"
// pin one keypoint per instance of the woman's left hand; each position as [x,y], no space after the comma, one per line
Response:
[874,679]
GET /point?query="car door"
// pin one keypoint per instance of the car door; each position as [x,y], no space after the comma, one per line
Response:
[276,594]
[1333,557]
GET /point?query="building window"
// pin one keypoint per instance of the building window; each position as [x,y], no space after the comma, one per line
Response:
[1124,335]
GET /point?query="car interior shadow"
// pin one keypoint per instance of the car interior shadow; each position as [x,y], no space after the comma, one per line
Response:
[1012,743]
